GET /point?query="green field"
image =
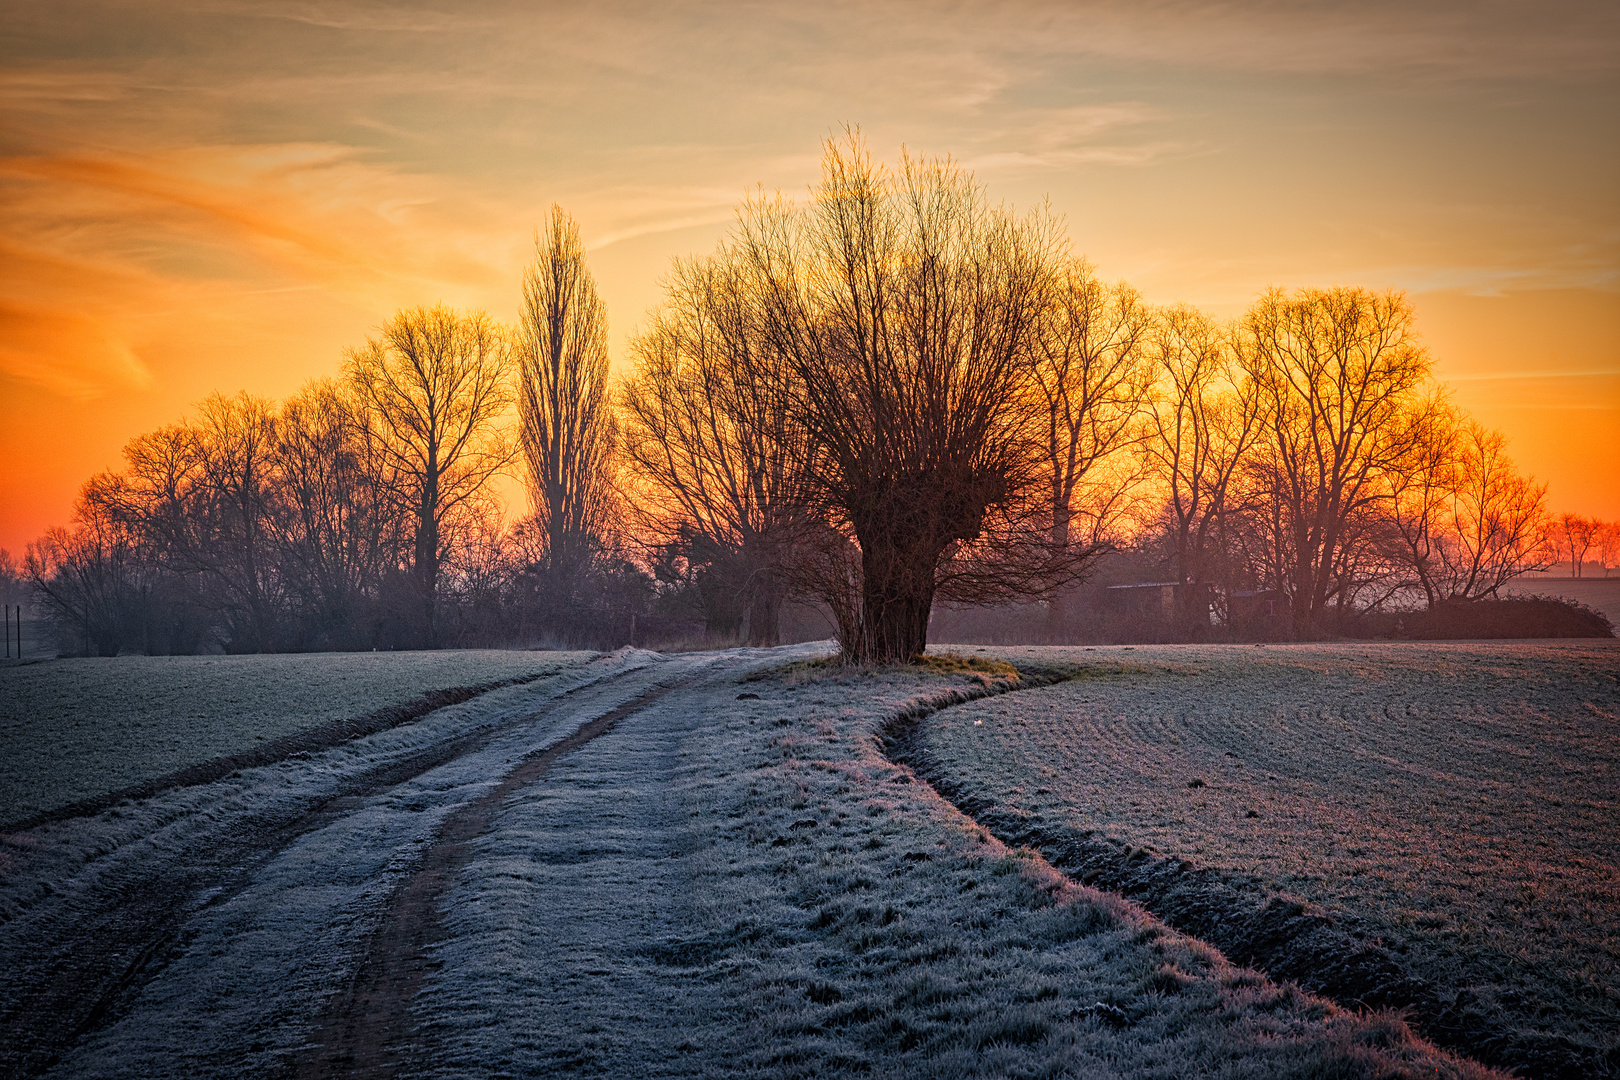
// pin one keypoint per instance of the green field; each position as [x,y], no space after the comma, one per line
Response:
[1458,803]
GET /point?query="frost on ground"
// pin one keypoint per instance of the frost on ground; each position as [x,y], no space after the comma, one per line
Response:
[1459,803]
[734,880]
[76,728]
[732,886]
[195,933]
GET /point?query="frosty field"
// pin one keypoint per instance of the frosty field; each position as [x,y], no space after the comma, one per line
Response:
[1449,814]
[693,865]
[75,728]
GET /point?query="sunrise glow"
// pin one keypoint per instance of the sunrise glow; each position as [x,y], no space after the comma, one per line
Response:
[225,197]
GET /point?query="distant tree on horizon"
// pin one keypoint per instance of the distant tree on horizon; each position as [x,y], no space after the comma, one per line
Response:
[433,385]
[1574,534]
[566,424]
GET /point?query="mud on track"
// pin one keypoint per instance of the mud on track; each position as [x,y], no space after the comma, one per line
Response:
[82,939]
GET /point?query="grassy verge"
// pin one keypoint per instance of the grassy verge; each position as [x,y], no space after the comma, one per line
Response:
[853,921]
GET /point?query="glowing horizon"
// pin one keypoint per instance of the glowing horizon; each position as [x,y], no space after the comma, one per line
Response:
[224,196]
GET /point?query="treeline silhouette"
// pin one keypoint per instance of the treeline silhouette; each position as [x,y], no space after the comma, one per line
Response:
[892,394]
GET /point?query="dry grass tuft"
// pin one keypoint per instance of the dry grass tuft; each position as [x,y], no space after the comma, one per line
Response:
[951,663]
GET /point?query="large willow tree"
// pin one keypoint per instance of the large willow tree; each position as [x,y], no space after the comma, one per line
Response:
[907,310]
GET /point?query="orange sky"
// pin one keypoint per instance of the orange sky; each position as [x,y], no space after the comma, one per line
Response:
[224,195]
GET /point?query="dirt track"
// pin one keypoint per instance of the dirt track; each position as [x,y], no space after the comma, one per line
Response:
[77,960]
[363,1031]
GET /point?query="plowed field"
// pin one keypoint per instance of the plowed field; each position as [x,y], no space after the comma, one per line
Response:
[1455,806]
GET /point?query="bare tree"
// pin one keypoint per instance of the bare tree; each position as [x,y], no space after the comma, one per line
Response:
[1203,418]
[90,579]
[707,427]
[161,487]
[567,426]
[167,516]
[1573,535]
[1421,489]
[907,309]
[1494,520]
[433,386]
[234,546]
[337,534]
[14,586]
[1334,368]
[1090,376]
[198,501]
[1607,539]
[1467,523]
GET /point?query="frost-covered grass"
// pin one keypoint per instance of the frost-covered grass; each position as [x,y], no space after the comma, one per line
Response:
[76,728]
[738,882]
[269,935]
[1462,801]
[734,881]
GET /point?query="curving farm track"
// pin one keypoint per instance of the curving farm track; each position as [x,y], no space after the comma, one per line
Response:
[277,919]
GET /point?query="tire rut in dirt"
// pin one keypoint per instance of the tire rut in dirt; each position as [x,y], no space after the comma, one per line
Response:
[369,1030]
[87,978]
[1275,934]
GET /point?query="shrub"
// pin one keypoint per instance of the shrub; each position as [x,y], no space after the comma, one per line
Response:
[1514,617]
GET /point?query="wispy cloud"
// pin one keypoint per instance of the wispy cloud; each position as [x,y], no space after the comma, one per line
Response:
[68,352]
[100,246]
[187,187]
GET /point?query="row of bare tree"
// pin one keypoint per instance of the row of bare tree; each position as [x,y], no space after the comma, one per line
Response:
[898,393]
[359,512]
[890,394]
[1574,539]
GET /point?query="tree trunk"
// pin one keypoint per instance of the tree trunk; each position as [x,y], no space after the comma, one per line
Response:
[764,613]
[427,561]
[1057,619]
[897,594]
[1057,614]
